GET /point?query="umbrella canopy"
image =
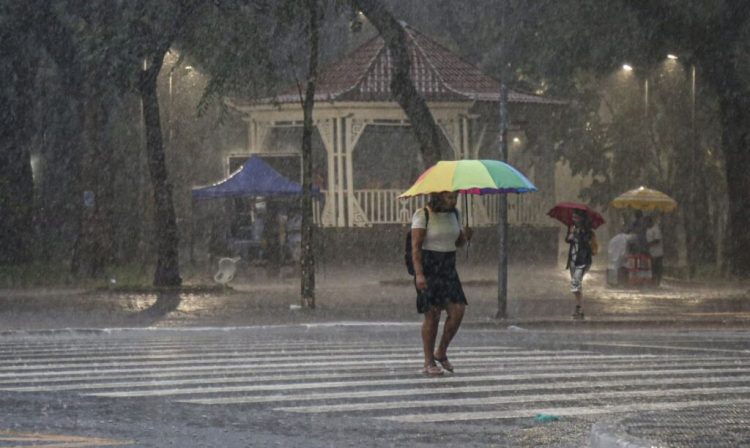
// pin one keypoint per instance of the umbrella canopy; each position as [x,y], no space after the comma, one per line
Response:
[646,199]
[563,212]
[471,177]
[254,178]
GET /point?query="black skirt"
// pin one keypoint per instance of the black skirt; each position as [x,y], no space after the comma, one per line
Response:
[443,284]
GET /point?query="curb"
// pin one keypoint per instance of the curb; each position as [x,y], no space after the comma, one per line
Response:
[540,324]
[608,435]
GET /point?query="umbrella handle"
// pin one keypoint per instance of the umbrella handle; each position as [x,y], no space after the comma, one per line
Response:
[466,219]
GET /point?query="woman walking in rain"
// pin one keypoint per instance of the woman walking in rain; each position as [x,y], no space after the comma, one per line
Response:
[579,237]
[435,234]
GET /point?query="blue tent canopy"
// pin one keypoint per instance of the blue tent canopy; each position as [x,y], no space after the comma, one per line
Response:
[255,178]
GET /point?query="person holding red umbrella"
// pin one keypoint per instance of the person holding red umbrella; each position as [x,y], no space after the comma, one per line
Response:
[580,237]
[581,221]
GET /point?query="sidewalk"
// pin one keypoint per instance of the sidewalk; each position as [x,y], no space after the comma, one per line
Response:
[537,297]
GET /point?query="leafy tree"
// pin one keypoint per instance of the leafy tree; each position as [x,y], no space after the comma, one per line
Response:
[713,36]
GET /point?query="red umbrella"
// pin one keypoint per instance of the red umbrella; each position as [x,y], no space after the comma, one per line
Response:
[563,212]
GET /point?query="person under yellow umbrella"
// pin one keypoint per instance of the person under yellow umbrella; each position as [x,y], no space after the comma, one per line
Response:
[648,234]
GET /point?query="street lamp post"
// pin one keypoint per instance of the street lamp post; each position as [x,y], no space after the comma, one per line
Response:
[629,68]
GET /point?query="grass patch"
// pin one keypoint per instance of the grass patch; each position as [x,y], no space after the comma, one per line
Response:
[125,278]
[29,275]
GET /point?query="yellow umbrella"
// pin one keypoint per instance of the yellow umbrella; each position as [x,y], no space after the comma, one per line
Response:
[646,199]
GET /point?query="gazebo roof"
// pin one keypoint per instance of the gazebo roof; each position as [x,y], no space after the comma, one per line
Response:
[438,74]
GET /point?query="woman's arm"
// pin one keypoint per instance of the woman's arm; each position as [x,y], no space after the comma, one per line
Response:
[417,238]
[569,237]
[464,236]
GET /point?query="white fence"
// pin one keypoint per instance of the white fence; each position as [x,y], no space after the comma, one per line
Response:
[384,207]
[529,208]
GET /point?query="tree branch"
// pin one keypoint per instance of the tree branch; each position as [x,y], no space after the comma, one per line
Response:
[402,88]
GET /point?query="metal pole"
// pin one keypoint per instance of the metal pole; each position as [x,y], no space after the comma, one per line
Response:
[693,172]
[502,218]
[502,225]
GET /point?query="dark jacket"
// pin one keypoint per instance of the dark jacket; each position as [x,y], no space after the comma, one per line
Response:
[583,255]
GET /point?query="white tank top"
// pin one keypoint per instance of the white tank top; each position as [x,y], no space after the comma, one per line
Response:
[443,230]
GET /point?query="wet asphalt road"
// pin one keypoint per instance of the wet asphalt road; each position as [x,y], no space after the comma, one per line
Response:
[323,385]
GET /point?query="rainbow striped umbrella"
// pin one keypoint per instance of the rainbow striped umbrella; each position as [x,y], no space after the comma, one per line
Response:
[471,177]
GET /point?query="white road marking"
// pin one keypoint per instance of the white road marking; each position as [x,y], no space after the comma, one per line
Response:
[569,411]
[383,393]
[212,379]
[438,382]
[301,361]
[153,356]
[431,403]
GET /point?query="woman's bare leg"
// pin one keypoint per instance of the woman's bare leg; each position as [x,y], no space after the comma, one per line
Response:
[450,328]
[429,334]
[578,298]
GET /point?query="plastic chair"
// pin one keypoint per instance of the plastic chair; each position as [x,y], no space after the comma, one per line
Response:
[227,269]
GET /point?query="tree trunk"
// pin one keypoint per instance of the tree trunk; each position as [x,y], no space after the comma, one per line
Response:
[16,183]
[735,120]
[402,88]
[722,75]
[502,219]
[94,244]
[165,224]
[307,257]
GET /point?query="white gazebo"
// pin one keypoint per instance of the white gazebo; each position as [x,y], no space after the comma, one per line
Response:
[353,95]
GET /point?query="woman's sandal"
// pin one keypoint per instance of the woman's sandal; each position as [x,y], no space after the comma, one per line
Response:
[432,370]
[445,363]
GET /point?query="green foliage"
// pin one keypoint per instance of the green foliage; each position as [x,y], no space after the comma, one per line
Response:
[35,275]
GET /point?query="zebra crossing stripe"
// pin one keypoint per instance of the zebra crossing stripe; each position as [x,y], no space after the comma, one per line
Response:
[239,343]
[383,393]
[562,411]
[668,347]
[149,376]
[662,393]
[299,361]
[235,354]
[235,365]
[124,352]
[407,381]
[90,384]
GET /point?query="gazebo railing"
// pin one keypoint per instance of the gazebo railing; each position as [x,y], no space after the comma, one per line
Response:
[384,207]
[528,209]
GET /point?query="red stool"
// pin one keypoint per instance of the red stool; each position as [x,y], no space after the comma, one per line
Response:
[639,269]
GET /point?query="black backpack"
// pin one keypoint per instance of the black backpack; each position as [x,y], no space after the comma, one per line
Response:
[408,260]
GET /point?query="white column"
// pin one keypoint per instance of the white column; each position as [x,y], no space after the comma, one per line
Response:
[354,129]
[339,145]
[465,151]
[250,135]
[325,128]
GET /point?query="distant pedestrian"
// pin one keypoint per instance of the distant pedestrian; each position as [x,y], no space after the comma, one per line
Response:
[638,227]
[579,257]
[436,233]
[655,249]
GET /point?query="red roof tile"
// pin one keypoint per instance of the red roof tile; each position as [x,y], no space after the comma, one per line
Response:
[438,74]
